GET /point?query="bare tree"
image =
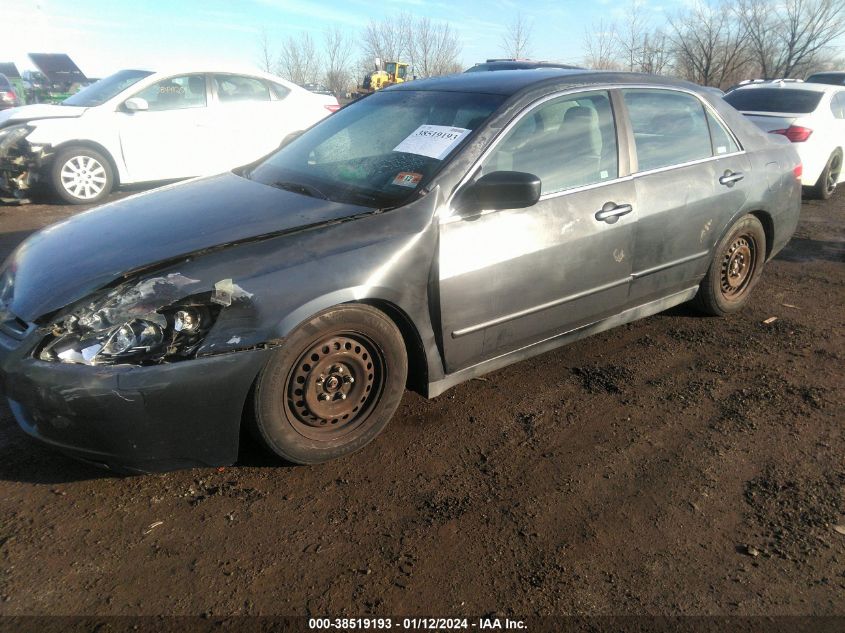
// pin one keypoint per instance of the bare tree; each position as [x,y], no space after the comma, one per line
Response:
[338,55]
[655,53]
[600,46]
[515,42]
[710,45]
[630,35]
[298,60]
[388,39]
[788,41]
[434,48]
[265,51]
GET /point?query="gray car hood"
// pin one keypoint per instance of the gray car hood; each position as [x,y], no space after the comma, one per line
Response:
[67,261]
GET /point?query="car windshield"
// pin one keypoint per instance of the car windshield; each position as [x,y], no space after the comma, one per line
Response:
[103,90]
[378,151]
[774,100]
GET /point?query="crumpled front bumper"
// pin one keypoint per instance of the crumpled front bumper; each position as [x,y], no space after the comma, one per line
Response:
[21,167]
[131,418]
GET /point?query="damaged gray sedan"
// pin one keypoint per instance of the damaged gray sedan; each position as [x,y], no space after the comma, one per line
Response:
[422,236]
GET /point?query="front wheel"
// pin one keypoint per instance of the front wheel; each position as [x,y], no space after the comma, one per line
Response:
[333,386]
[735,269]
[81,175]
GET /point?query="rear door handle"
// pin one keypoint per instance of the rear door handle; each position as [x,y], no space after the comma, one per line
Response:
[730,178]
[611,212]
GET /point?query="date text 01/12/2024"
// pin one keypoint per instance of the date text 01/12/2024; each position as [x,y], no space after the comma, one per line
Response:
[418,624]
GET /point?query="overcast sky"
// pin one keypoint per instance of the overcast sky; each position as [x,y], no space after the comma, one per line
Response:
[102,36]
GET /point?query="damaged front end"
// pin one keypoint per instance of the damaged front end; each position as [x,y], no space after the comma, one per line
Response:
[21,162]
[142,323]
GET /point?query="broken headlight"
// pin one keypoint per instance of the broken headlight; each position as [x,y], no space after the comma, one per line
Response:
[144,323]
[9,136]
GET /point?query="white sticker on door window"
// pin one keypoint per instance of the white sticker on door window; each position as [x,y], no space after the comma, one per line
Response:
[434,141]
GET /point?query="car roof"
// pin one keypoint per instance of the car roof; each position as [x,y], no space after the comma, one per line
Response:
[517,64]
[827,72]
[509,82]
[790,85]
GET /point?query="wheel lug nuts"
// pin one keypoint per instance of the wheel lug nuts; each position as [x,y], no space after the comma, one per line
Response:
[340,369]
[323,396]
[342,396]
[320,380]
[348,380]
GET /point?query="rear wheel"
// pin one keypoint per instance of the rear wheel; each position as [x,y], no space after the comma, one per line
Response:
[81,175]
[333,387]
[735,269]
[826,184]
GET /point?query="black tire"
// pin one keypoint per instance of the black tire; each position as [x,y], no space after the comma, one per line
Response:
[826,184]
[735,269]
[332,387]
[81,175]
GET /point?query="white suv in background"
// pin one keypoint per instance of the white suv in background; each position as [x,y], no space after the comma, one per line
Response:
[810,115]
[138,126]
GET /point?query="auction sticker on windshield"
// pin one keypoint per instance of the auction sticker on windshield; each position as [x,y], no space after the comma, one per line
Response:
[434,141]
[407,179]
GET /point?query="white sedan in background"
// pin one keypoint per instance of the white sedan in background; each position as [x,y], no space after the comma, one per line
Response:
[810,115]
[138,126]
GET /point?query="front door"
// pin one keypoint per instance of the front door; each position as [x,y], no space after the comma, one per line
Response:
[512,277]
[168,140]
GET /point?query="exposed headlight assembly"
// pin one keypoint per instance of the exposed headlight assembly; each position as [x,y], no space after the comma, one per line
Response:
[145,323]
[9,136]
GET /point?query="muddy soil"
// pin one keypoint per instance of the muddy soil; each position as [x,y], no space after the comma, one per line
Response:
[677,465]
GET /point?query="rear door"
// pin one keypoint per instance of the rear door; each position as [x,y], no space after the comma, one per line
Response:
[512,277]
[246,119]
[686,190]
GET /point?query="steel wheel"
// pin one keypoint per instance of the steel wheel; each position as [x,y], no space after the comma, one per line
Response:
[735,269]
[83,177]
[738,263]
[334,386]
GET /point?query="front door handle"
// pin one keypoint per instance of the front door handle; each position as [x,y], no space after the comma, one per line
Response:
[611,212]
[730,178]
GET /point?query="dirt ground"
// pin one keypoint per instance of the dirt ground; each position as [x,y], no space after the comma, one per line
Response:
[677,465]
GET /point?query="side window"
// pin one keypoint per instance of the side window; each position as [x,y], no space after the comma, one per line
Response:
[175,93]
[723,142]
[279,91]
[567,142]
[237,88]
[670,127]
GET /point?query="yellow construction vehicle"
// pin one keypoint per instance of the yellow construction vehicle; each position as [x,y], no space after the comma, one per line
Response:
[384,75]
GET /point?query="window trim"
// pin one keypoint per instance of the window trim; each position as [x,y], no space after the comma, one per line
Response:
[635,161]
[624,143]
[616,134]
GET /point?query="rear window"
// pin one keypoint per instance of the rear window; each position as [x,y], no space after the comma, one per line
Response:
[834,79]
[774,100]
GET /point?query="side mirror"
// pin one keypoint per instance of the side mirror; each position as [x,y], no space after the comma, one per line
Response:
[136,104]
[501,190]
